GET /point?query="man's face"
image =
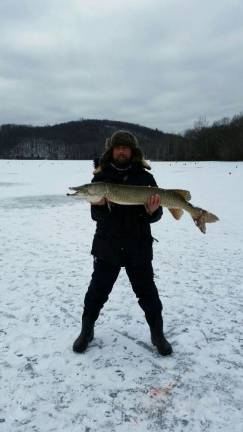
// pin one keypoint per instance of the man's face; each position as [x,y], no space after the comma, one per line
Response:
[121,154]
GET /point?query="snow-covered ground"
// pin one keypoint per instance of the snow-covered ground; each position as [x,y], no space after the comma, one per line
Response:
[121,383]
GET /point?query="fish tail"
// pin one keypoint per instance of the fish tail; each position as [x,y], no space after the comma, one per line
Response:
[205,215]
[202,218]
[210,217]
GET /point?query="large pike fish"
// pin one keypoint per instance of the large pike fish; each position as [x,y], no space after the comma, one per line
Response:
[176,200]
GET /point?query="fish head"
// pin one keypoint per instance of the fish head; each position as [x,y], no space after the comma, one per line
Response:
[95,191]
[92,192]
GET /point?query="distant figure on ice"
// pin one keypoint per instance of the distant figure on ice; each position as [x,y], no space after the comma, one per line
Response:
[123,239]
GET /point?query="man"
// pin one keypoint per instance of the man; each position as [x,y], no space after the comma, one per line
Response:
[123,238]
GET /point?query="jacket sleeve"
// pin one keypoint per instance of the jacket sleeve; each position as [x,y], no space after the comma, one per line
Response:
[99,212]
[156,216]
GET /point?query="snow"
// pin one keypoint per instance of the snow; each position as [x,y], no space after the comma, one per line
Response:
[121,383]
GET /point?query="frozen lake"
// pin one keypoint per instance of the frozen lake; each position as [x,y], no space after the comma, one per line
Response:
[121,383]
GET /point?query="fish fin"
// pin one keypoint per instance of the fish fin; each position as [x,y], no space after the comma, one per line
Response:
[200,221]
[176,212]
[210,217]
[183,193]
[109,205]
[203,218]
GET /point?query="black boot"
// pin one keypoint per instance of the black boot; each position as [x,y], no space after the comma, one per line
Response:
[158,338]
[86,336]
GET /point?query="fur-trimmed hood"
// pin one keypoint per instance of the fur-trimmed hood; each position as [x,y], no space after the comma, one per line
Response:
[126,138]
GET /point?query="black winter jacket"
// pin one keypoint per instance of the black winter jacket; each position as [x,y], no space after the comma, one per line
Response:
[123,233]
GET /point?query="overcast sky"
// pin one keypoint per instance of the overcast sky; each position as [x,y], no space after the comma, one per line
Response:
[159,63]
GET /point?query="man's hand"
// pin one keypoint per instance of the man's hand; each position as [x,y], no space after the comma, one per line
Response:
[153,204]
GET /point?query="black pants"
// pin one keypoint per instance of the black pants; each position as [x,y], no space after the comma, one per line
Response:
[103,279]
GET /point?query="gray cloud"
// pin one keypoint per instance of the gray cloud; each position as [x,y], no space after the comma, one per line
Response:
[158,63]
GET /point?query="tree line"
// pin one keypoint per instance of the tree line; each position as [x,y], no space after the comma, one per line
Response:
[84,139]
[223,140]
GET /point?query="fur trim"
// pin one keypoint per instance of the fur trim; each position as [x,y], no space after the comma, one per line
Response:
[144,165]
[121,137]
[106,159]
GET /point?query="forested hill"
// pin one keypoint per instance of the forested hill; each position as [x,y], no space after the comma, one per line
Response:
[85,139]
